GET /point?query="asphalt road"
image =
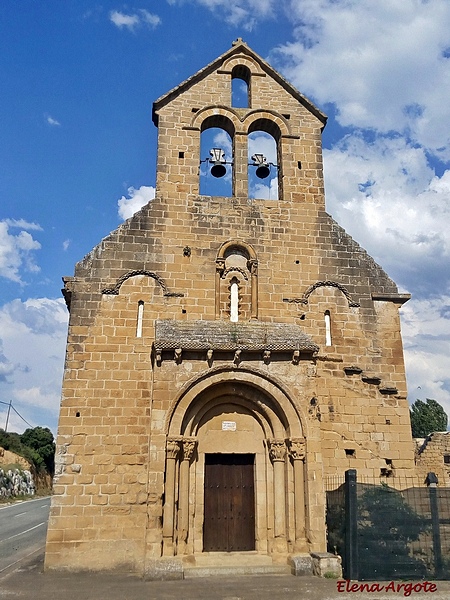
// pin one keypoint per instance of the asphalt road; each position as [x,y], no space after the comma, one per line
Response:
[23,527]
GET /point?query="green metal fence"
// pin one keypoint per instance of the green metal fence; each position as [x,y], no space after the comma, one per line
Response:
[389,529]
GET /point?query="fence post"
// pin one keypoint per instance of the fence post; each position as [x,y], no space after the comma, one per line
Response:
[351,525]
[432,482]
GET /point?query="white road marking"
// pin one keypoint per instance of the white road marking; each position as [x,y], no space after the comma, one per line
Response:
[26,531]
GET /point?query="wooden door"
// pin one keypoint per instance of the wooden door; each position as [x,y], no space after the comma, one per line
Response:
[229,517]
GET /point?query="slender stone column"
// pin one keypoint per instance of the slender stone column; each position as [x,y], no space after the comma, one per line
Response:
[188,445]
[277,453]
[297,453]
[253,267]
[240,167]
[220,266]
[172,451]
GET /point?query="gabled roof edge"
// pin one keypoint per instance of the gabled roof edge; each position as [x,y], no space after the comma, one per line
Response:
[237,47]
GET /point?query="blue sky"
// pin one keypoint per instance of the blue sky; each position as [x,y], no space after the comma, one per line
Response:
[77,149]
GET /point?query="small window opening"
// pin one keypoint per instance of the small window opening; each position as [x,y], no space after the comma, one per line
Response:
[234,301]
[240,87]
[327,318]
[77,414]
[447,459]
[349,452]
[140,318]
[180,154]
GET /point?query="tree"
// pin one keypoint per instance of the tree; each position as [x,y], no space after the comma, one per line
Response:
[427,417]
[40,441]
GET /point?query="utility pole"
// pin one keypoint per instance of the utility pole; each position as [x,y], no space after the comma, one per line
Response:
[7,416]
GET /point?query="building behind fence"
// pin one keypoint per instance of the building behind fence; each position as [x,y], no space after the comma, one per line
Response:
[390,528]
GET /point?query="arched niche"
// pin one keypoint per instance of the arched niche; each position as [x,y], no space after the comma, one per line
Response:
[236,265]
[241,87]
[264,147]
[216,152]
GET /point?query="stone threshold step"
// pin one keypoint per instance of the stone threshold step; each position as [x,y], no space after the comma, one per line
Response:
[234,571]
[225,559]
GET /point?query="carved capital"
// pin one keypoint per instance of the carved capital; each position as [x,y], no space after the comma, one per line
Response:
[220,265]
[188,447]
[297,448]
[252,266]
[277,450]
[173,447]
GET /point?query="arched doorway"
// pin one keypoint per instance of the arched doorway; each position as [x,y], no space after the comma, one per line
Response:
[235,468]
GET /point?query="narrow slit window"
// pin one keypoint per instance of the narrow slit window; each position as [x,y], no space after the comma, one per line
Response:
[234,302]
[140,317]
[327,328]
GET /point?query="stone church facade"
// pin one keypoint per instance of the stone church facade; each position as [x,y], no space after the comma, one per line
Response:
[225,354]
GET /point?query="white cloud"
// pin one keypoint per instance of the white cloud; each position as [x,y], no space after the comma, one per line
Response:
[136,200]
[426,339]
[386,195]
[66,245]
[381,63]
[239,13]
[132,21]
[52,121]
[16,250]
[6,367]
[34,336]
[22,224]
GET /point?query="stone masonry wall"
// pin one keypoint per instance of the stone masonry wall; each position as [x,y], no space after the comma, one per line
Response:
[118,396]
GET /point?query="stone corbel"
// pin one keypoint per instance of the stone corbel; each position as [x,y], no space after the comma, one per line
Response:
[296,357]
[237,357]
[209,357]
[266,356]
[178,352]
[158,355]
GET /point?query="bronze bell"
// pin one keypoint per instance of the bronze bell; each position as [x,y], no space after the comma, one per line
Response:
[218,170]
